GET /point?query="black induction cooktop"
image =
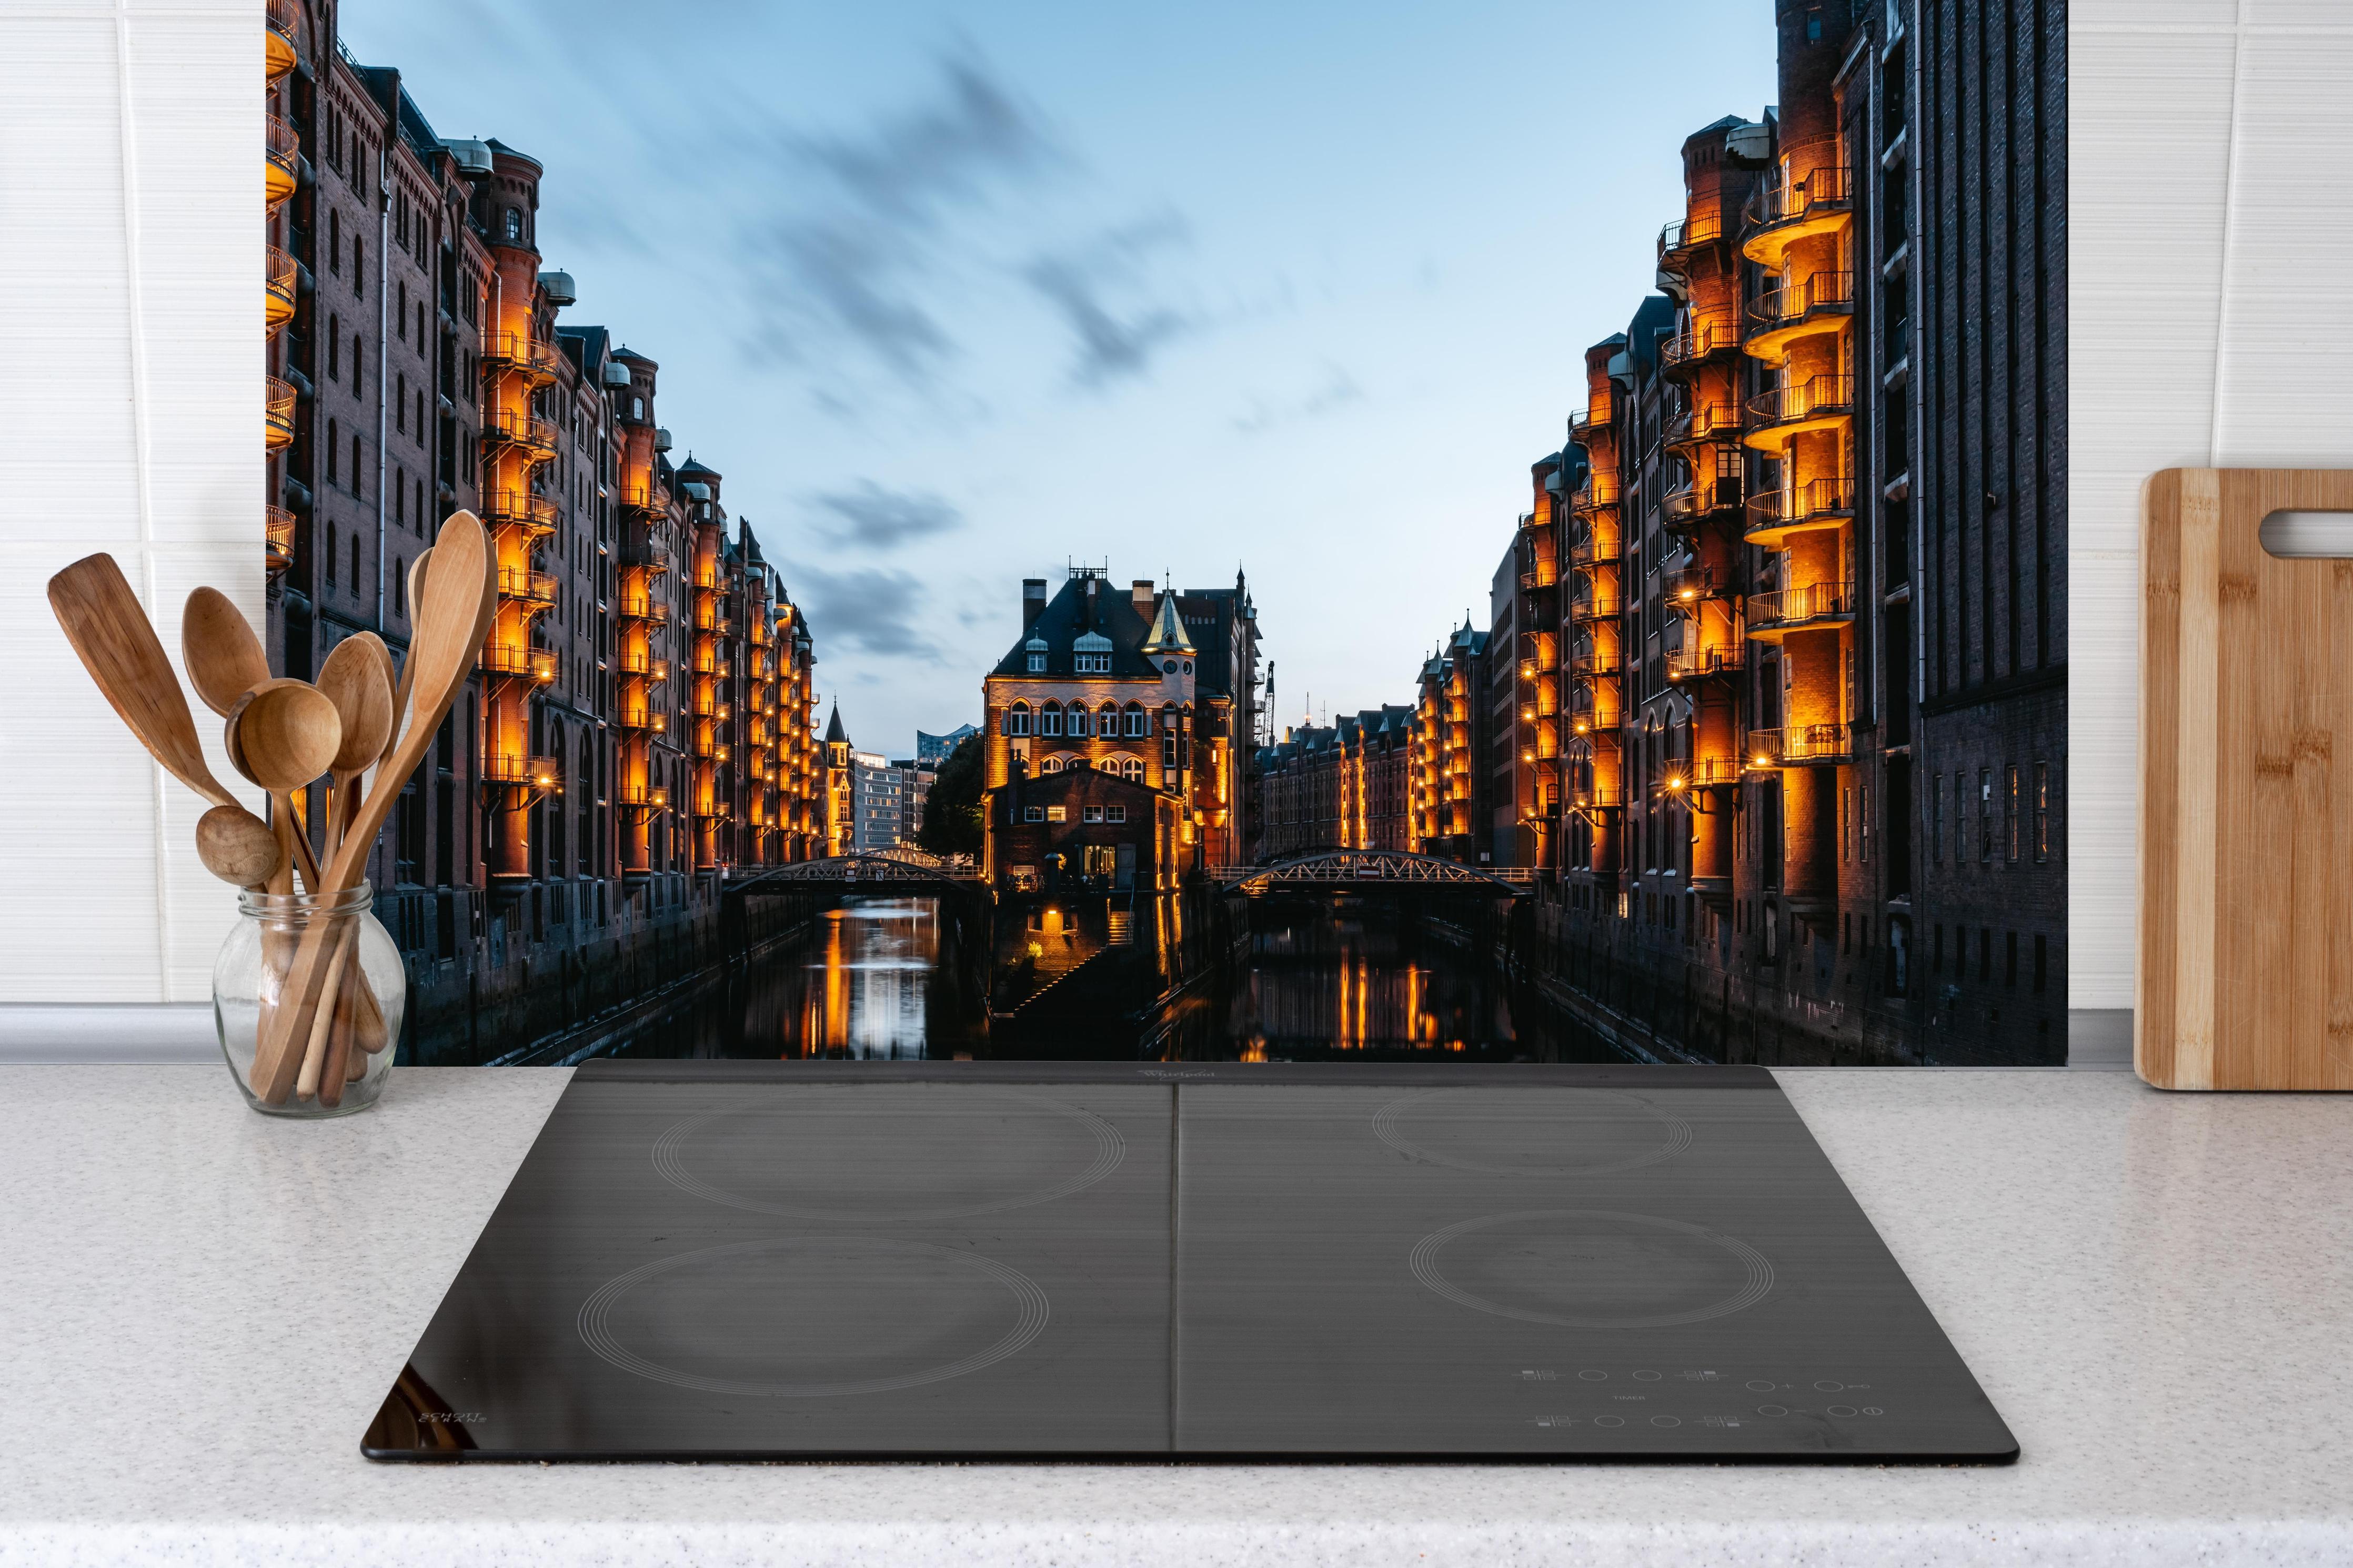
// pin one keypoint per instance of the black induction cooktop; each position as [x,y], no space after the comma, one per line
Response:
[802,1260]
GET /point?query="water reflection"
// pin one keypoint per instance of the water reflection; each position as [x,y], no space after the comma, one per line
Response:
[1311,979]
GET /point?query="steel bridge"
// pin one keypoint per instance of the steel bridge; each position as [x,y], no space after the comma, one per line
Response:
[868,869]
[1367,870]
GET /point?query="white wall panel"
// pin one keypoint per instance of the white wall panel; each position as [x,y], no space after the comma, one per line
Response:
[130,315]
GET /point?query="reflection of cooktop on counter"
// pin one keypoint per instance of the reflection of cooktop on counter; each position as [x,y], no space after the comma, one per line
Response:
[812,1259]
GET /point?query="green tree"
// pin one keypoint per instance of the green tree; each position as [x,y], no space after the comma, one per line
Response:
[952,810]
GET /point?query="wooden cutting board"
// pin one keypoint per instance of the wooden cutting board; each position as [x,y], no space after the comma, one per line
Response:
[2246,788]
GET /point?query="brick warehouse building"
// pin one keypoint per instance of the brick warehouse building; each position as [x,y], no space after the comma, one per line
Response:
[1342,785]
[1158,686]
[639,722]
[1811,629]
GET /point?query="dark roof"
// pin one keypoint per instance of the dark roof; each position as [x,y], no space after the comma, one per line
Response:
[694,469]
[495,145]
[1728,122]
[627,353]
[1067,616]
[1034,786]
[833,727]
[1654,315]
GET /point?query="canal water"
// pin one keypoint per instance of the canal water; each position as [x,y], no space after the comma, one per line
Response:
[1319,980]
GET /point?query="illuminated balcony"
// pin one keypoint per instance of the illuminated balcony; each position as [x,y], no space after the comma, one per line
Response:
[281,155]
[1781,213]
[277,288]
[1772,616]
[537,588]
[1597,607]
[1780,317]
[278,536]
[1698,344]
[1687,584]
[281,39]
[1595,497]
[1719,660]
[645,718]
[527,432]
[1712,426]
[713,625]
[1684,236]
[1590,427]
[645,607]
[715,811]
[513,662]
[531,514]
[1779,416]
[650,556]
[276,413]
[1592,662]
[1707,772]
[1591,802]
[528,772]
[1816,504]
[1698,504]
[645,666]
[645,498]
[1596,546]
[1801,746]
[520,353]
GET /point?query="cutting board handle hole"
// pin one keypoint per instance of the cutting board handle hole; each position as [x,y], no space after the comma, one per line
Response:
[2301,534]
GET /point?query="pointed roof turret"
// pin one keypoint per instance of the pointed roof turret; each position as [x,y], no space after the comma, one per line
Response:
[834,731]
[1167,634]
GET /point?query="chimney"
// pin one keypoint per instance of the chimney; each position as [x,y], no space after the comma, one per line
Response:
[1033,601]
[1139,589]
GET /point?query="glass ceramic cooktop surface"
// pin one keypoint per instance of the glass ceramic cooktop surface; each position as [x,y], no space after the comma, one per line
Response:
[864,1259]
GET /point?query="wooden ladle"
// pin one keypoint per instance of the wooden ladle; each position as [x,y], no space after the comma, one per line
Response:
[225,659]
[283,735]
[354,679]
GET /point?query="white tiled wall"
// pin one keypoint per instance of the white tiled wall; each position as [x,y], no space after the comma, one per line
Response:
[2212,204]
[2211,207]
[130,369]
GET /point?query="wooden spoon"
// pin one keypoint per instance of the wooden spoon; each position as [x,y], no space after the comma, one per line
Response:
[284,735]
[447,640]
[408,667]
[352,678]
[237,846]
[225,659]
[117,644]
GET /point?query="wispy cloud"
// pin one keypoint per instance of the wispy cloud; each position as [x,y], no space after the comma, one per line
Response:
[863,262]
[872,517]
[1337,390]
[868,610]
[1079,284]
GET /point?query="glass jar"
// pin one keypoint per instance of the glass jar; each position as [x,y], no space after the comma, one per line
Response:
[308,994]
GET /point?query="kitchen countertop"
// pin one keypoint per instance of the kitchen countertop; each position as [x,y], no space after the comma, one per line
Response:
[200,1309]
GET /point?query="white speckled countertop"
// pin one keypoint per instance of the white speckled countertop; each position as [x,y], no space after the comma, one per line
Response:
[2155,1290]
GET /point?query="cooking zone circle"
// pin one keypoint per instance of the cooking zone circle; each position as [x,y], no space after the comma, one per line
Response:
[886,1152]
[785,1320]
[1524,1132]
[1591,1269]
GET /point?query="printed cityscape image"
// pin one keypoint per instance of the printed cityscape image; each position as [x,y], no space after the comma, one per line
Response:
[915,444]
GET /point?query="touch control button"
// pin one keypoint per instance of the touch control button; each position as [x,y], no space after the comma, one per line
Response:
[1844,1410]
[1761,1386]
[1646,1377]
[1829,1387]
[1665,1421]
[1610,1421]
[1592,1376]
[1771,1410]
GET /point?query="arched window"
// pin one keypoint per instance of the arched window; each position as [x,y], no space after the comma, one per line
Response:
[1017,720]
[1134,769]
[1138,723]
[1078,720]
[1107,722]
[1050,719]
[1188,666]
[1052,765]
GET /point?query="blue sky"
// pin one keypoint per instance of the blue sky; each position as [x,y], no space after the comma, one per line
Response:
[953,295]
